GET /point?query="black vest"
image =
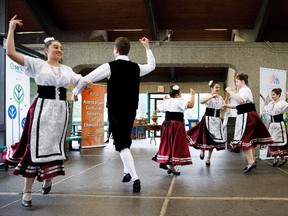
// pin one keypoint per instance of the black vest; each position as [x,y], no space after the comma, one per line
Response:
[123,85]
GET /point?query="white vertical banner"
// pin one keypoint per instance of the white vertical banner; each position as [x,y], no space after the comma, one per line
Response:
[270,79]
[17,100]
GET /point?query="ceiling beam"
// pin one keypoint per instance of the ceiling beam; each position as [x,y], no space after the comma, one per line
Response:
[31,38]
[262,18]
[275,35]
[30,52]
[37,8]
[42,15]
[150,11]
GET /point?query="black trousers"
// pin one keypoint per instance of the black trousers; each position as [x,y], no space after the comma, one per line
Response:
[120,125]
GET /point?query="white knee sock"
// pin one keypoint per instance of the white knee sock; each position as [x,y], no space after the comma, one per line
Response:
[128,163]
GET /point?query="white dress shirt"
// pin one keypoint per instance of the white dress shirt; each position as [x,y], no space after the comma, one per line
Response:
[104,71]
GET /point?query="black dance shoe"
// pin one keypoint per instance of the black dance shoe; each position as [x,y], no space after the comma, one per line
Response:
[137,186]
[202,155]
[26,203]
[236,150]
[126,178]
[283,162]
[174,172]
[163,166]
[46,190]
[208,163]
[275,162]
[249,168]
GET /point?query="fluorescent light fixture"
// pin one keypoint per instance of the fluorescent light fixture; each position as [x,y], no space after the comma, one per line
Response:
[32,32]
[216,29]
[127,30]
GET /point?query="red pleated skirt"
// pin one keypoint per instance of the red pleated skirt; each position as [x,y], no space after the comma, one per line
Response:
[173,149]
[255,133]
[200,137]
[281,151]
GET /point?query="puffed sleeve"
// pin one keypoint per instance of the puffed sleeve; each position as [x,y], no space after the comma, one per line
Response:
[73,77]
[30,65]
[182,104]
[246,94]
[284,107]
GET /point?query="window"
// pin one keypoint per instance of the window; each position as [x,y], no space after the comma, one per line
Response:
[145,110]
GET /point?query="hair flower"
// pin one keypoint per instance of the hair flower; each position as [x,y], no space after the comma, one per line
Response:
[49,39]
[210,82]
[176,87]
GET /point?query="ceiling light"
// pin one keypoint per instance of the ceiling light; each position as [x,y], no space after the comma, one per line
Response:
[216,29]
[31,32]
[127,30]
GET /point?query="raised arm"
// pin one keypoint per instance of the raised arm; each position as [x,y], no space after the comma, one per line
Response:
[145,42]
[235,95]
[151,64]
[10,43]
[192,99]
[204,100]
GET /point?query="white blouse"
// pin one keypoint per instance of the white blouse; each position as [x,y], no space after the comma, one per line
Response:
[215,103]
[246,94]
[47,75]
[173,105]
[277,108]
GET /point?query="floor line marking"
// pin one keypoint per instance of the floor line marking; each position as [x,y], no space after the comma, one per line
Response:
[167,198]
[276,167]
[81,172]
[57,182]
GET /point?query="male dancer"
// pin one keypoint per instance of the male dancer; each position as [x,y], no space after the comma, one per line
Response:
[123,81]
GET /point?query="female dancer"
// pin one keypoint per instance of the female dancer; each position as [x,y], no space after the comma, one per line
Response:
[208,133]
[173,149]
[277,128]
[40,151]
[249,128]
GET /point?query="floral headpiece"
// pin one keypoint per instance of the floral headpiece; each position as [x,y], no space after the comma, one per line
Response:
[210,82]
[176,87]
[49,39]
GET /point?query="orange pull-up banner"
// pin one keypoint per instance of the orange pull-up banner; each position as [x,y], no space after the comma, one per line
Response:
[93,116]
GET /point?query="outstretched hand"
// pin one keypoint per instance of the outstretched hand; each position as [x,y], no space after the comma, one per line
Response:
[192,91]
[14,22]
[89,85]
[228,89]
[145,42]
[74,98]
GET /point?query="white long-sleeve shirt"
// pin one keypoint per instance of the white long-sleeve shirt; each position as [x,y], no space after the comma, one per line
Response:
[47,75]
[276,108]
[215,103]
[104,71]
[246,94]
[173,105]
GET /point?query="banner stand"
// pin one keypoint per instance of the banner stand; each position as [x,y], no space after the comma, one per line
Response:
[92,128]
